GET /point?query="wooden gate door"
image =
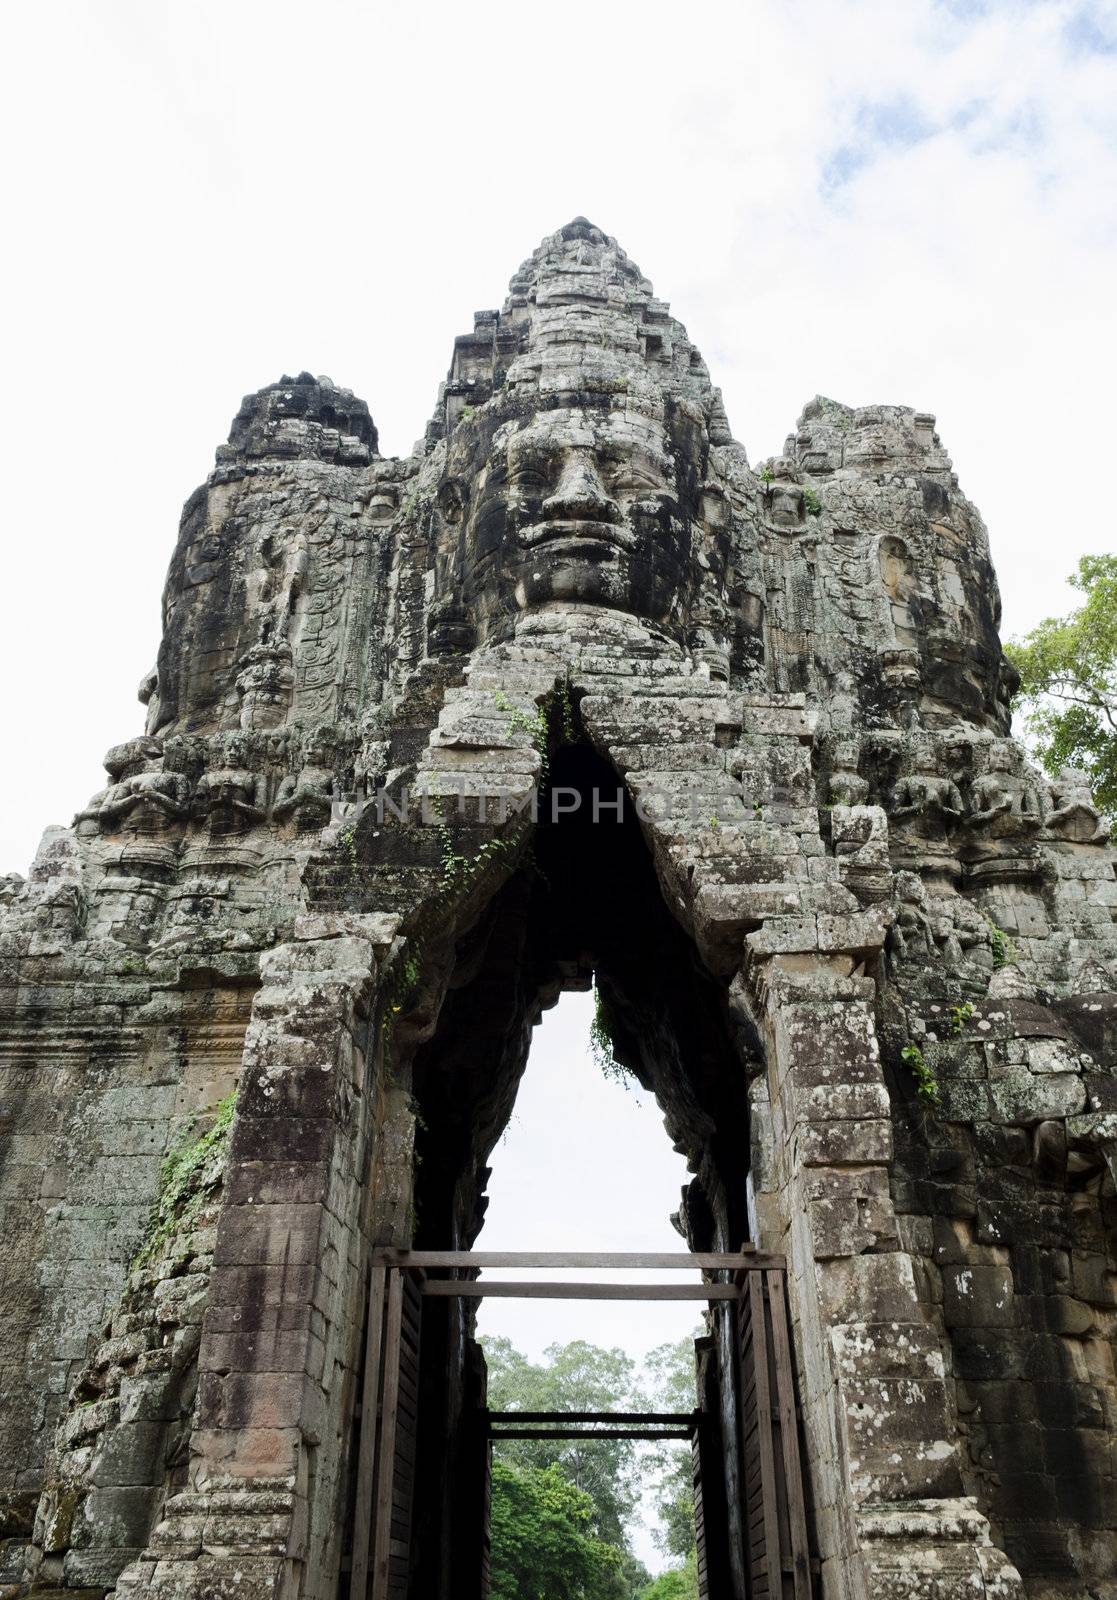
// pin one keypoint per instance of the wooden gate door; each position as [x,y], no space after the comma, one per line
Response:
[711,1518]
[775,1516]
[386,1454]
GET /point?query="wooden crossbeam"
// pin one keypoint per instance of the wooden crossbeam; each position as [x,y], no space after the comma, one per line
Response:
[745,1259]
[649,1417]
[591,1433]
[472,1289]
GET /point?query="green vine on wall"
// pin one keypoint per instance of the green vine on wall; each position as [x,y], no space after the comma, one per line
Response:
[1004,951]
[184,1185]
[926,1084]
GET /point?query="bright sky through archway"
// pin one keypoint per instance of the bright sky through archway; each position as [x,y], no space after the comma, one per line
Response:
[585,1164]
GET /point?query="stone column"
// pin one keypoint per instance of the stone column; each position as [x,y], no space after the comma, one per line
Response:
[283,1313]
[877,1407]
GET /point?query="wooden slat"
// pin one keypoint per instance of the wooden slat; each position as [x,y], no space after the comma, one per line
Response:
[362,1521]
[765,1538]
[668,1417]
[406,1442]
[679,1260]
[386,1455]
[797,1552]
[471,1289]
[596,1433]
[699,1517]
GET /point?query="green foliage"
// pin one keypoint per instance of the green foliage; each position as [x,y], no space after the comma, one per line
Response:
[1068,682]
[671,1381]
[185,1181]
[765,473]
[1004,951]
[347,839]
[960,1016]
[601,1041]
[678,1583]
[566,712]
[574,1377]
[536,727]
[811,503]
[926,1084]
[543,1544]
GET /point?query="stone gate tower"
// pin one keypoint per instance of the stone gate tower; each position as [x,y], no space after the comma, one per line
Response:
[261,1008]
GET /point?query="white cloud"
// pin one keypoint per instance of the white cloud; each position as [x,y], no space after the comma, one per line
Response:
[880,202]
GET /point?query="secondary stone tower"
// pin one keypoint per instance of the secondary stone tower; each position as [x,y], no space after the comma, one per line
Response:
[265,1004]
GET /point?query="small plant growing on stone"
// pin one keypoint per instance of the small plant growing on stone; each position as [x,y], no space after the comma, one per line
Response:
[348,841]
[1004,952]
[566,707]
[601,1042]
[959,1016]
[812,505]
[926,1084]
[133,964]
[765,474]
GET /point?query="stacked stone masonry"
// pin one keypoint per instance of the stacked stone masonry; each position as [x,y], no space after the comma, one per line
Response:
[794,671]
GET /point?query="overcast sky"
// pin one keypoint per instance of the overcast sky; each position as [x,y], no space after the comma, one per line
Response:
[883,202]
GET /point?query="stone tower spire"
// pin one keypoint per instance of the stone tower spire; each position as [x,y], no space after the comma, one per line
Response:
[579,316]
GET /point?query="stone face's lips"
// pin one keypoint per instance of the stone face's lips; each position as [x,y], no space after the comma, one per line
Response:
[571,532]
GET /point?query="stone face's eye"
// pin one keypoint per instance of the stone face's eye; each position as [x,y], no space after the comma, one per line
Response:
[635,475]
[530,469]
[528,478]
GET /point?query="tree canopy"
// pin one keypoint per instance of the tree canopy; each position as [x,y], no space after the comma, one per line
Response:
[543,1544]
[679,1583]
[574,1377]
[538,1527]
[670,1371]
[1068,682]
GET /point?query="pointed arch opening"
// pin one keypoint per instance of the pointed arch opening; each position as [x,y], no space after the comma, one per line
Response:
[585,907]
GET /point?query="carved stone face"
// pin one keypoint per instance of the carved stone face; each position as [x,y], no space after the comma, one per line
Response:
[586,505]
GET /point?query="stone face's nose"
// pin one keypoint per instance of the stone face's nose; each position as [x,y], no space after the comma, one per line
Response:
[581,493]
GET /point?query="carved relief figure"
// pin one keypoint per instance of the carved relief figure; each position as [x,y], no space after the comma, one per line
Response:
[230,794]
[308,795]
[1004,798]
[927,792]
[144,793]
[1074,814]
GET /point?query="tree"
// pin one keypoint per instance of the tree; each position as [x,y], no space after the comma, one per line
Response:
[574,1377]
[670,1369]
[1068,682]
[678,1583]
[543,1546]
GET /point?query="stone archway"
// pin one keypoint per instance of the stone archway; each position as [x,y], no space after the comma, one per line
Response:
[584,902]
[862,870]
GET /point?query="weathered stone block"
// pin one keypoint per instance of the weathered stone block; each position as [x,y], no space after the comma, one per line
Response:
[127,1455]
